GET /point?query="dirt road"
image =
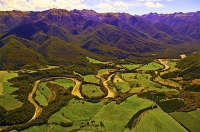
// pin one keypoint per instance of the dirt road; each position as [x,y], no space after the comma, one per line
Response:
[76,89]
[108,84]
[38,109]
[165,63]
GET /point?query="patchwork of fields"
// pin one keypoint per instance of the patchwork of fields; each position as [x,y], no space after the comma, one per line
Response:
[124,100]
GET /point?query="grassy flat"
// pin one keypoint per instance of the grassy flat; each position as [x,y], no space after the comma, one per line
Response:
[101,71]
[167,82]
[43,89]
[78,110]
[8,101]
[91,90]
[195,113]
[187,120]
[143,81]
[65,82]
[172,67]
[131,66]
[151,66]
[128,76]
[2,76]
[93,60]
[123,86]
[115,117]
[91,78]
[118,78]
[158,120]
[42,100]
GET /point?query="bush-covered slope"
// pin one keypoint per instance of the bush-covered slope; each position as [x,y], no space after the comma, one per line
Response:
[14,55]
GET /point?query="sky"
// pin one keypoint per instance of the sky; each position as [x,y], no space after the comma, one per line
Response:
[133,7]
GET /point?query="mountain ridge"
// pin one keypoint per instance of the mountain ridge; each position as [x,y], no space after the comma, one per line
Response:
[108,35]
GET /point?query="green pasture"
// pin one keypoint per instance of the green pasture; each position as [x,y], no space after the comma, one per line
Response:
[65,82]
[48,128]
[172,67]
[77,110]
[157,120]
[143,81]
[44,90]
[91,78]
[87,127]
[97,116]
[131,66]
[118,78]
[167,82]
[188,120]
[101,71]
[195,113]
[91,90]
[41,99]
[116,116]
[7,100]
[94,60]
[136,90]
[123,86]
[151,66]
[129,76]
[2,76]
[48,67]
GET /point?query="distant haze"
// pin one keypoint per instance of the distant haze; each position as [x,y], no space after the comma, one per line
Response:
[133,7]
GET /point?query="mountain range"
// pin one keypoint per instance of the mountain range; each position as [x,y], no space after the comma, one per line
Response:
[61,37]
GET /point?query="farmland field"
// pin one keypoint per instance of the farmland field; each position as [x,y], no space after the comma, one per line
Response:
[91,78]
[101,71]
[2,75]
[91,90]
[157,120]
[128,106]
[172,67]
[42,100]
[7,100]
[189,121]
[44,90]
[113,117]
[131,66]
[168,82]
[123,86]
[66,83]
[151,66]
[91,60]
[195,113]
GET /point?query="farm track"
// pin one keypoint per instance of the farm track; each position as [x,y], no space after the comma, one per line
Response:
[38,109]
[165,63]
[76,89]
[107,84]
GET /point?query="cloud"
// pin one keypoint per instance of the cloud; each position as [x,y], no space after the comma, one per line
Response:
[149,0]
[41,4]
[152,4]
[112,5]
[104,6]
[120,4]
